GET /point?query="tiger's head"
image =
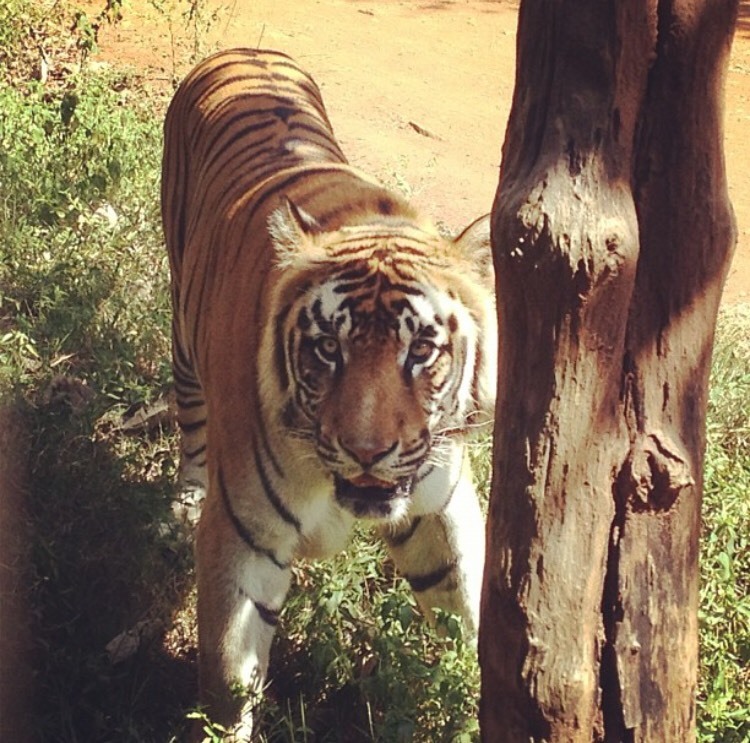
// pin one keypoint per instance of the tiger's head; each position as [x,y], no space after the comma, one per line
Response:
[385,338]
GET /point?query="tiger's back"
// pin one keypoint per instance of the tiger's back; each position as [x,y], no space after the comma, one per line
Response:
[238,118]
[247,126]
[330,352]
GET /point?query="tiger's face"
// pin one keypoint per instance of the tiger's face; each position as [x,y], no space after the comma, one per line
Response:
[382,355]
[381,374]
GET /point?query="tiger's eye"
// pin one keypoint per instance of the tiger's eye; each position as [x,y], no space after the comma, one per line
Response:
[420,350]
[327,347]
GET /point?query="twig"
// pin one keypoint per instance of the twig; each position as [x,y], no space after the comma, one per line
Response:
[424,132]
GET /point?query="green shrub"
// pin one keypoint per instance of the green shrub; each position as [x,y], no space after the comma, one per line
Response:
[22,25]
[724,697]
[83,277]
[355,651]
[84,333]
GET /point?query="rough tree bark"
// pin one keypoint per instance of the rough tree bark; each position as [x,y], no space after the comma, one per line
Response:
[612,234]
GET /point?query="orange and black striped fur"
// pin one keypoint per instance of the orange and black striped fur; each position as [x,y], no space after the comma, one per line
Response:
[331,352]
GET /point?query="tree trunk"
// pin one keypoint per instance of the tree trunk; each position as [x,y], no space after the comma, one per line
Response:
[612,234]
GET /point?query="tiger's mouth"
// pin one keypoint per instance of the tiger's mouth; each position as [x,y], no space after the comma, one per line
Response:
[368,497]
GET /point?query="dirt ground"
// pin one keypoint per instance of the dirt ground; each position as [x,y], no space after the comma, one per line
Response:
[418,90]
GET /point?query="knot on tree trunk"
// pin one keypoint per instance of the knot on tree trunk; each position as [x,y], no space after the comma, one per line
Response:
[656,471]
[539,236]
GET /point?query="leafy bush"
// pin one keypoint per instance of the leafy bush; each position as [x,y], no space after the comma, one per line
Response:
[84,333]
[356,650]
[724,699]
[82,276]
[20,57]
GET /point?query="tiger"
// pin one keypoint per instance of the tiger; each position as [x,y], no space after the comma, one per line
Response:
[331,351]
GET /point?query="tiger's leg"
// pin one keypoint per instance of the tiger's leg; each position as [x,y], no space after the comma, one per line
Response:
[441,553]
[191,419]
[240,592]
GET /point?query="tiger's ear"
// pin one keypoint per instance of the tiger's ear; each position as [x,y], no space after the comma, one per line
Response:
[475,245]
[293,232]
[304,221]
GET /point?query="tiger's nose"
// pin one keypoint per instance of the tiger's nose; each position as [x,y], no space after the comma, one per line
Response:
[367,452]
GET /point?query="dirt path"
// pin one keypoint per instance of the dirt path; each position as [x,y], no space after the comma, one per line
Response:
[418,91]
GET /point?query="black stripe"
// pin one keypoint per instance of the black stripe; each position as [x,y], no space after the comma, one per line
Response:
[179,357]
[280,186]
[478,362]
[221,143]
[235,168]
[401,306]
[190,427]
[268,615]
[352,303]
[400,268]
[192,453]
[191,404]
[418,249]
[352,286]
[403,288]
[242,530]
[284,61]
[183,398]
[182,394]
[450,495]
[328,456]
[323,322]
[420,583]
[322,139]
[348,252]
[185,380]
[402,249]
[290,353]
[313,94]
[240,168]
[425,475]
[194,303]
[269,452]
[214,88]
[279,356]
[351,271]
[273,496]
[409,463]
[419,446]
[277,185]
[401,538]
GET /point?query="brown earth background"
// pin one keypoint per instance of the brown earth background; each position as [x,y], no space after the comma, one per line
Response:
[418,91]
